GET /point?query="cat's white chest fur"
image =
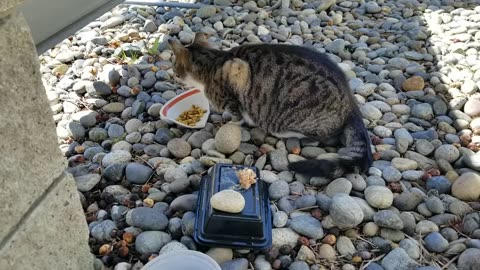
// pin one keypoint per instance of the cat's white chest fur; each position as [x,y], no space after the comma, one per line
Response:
[190,81]
[289,134]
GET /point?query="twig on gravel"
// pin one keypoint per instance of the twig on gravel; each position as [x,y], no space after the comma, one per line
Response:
[450,262]
[306,208]
[372,260]
[365,240]
[275,205]
[85,103]
[419,187]
[426,257]
[146,162]
[422,248]
[461,233]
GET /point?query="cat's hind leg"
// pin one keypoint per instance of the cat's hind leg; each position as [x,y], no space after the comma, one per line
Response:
[356,156]
[357,150]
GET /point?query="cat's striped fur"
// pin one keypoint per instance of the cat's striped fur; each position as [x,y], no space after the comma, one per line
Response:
[284,89]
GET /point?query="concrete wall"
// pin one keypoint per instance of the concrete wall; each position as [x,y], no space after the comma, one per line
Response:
[42,225]
[48,30]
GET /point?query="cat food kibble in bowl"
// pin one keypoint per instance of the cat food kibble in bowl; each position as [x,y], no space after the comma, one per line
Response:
[192,116]
[190,109]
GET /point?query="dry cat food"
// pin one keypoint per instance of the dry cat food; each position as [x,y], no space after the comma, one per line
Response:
[246,177]
[192,116]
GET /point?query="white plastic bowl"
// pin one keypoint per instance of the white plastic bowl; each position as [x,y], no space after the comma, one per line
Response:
[183,102]
[182,260]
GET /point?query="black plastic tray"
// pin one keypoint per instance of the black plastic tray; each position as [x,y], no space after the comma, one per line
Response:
[249,229]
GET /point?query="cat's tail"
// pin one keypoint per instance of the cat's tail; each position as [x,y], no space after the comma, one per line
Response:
[356,156]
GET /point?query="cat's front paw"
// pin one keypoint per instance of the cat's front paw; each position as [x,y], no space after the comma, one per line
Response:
[237,122]
[236,119]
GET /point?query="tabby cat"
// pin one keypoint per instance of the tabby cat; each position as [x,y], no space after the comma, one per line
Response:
[289,91]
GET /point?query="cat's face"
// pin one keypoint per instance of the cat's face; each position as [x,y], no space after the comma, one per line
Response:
[183,65]
[182,58]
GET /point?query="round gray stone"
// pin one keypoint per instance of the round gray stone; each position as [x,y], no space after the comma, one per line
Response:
[388,219]
[278,189]
[179,148]
[339,185]
[137,173]
[345,213]
[148,219]
[308,226]
[150,242]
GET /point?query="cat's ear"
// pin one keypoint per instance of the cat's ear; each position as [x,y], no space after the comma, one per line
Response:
[201,40]
[176,46]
